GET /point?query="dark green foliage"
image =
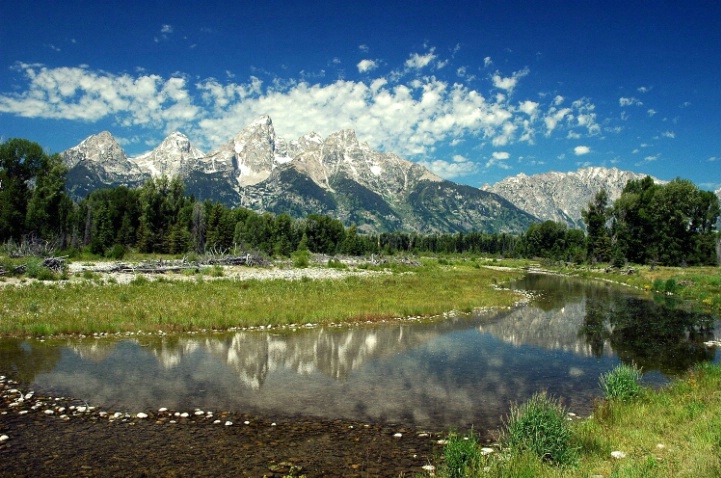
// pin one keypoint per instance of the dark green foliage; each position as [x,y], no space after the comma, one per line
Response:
[32,193]
[672,224]
[116,252]
[595,218]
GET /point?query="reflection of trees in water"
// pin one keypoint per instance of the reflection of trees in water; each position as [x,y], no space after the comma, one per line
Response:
[655,335]
[555,292]
[23,361]
[648,334]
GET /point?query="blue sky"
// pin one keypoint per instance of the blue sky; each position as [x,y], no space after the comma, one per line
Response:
[474,90]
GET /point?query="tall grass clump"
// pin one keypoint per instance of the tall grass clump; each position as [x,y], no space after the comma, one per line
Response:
[622,383]
[540,426]
[460,455]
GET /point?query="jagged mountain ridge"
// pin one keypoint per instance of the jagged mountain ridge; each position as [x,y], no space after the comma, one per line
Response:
[561,197]
[337,176]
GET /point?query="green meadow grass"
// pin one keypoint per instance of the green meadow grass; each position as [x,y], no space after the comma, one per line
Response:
[82,307]
[701,285]
[674,432]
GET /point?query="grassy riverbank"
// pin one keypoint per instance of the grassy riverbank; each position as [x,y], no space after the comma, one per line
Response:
[209,300]
[672,432]
[702,285]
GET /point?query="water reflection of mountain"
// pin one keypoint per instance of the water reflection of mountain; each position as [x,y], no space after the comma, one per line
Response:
[556,329]
[333,352]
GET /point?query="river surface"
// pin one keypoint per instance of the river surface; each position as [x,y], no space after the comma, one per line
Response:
[458,372]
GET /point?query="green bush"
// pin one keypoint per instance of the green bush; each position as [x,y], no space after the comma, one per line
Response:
[301,258]
[33,267]
[116,252]
[670,286]
[540,426]
[658,285]
[622,383]
[336,264]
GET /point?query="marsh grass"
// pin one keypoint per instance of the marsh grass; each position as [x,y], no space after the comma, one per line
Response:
[671,432]
[622,383]
[151,305]
[540,426]
[701,285]
[460,455]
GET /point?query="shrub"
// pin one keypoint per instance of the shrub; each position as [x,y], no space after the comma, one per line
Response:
[336,264]
[116,252]
[33,267]
[301,258]
[540,426]
[621,383]
[670,286]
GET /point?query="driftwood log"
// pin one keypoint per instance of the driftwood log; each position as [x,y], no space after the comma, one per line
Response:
[162,266]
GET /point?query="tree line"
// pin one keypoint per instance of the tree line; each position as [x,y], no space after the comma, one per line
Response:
[670,224]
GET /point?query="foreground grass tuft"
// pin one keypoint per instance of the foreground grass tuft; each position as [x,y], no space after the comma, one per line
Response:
[667,433]
[540,426]
[622,383]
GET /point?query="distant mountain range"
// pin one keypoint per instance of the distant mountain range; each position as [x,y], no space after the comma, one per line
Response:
[342,178]
[562,196]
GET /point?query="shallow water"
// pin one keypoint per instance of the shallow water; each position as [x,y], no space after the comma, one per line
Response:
[458,372]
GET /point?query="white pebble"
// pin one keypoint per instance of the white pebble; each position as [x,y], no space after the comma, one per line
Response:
[49,412]
[184,415]
[246,422]
[199,413]
[486,451]
[81,409]
[142,415]
[162,410]
[216,422]
[4,438]
[228,423]
[398,435]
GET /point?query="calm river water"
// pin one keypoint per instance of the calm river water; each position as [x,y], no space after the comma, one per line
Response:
[459,372]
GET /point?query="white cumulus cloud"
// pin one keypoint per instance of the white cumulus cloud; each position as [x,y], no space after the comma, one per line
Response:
[631,101]
[508,83]
[417,61]
[365,66]
[457,167]
[581,150]
[409,115]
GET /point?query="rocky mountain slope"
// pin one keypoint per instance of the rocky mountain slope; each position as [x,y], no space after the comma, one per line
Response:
[337,176]
[560,196]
